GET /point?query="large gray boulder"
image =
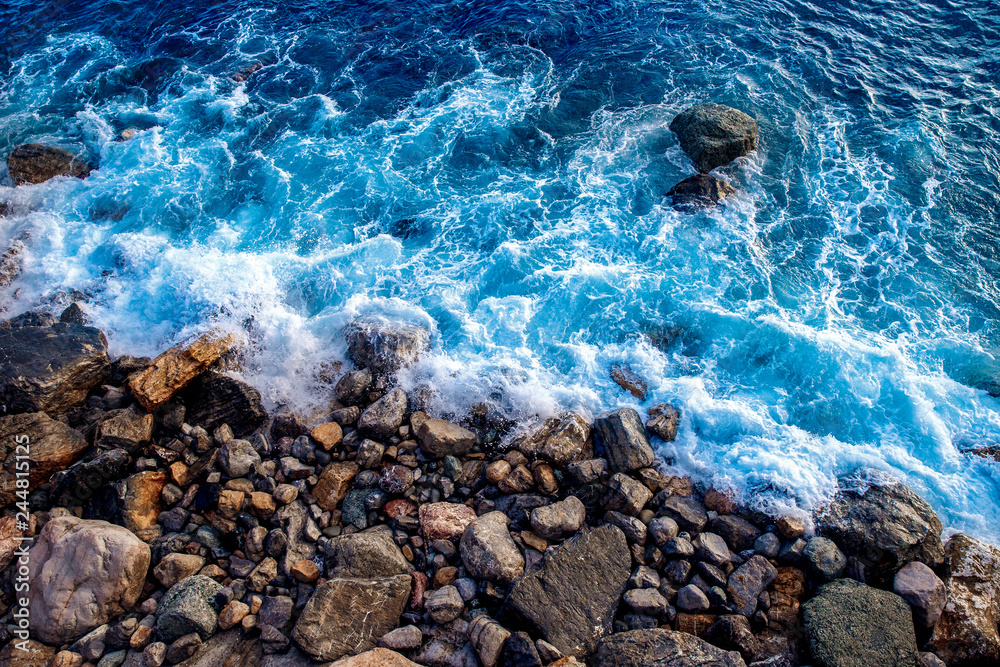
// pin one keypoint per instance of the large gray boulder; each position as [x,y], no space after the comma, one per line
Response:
[348,616]
[661,648]
[48,369]
[572,598]
[82,574]
[714,135]
[849,624]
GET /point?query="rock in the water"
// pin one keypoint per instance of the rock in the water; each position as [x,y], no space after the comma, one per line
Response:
[922,590]
[30,164]
[214,399]
[967,628]
[572,598]
[384,416]
[662,421]
[53,447]
[849,624]
[369,554]
[348,616]
[83,573]
[661,648]
[48,369]
[559,519]
[487,550]
[714,135]
[567,441]
[439,438]
[174,369]
[189,606]
[699,192]
[629,380]
[887,526]
[621,434]
[384,347]
[445,521]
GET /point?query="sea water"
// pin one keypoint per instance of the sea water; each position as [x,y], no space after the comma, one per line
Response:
[495,171]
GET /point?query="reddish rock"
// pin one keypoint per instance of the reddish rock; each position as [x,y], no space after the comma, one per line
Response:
[399,507]
[419,588]
[444,521]
[328,435]
[142,502]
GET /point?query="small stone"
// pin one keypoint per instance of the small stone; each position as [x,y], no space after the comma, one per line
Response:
[396,479]
[91,645]
[922,590]
[141,638]
[402,639]
[305,571]
[334,483]
[444,521]
[370,454]
[824,558]
[237,458]
[520,480]
[626,495]
[692,599]
[189,606]
[445,604]
[262,505]
[232,614]
[644,577]
[687,511]
[155,654]
[328,435]
[286,493]
[62,659]
[678,547]
[635,530]
[661,529]
[183,648]
[230,503]
[791,528]
[767,545]
[646,601]
[262,575]
[558,519]
[545,478]
[174,567]
[678,572]
[497,471]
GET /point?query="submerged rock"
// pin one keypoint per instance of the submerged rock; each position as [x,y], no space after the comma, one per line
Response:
[699,192]
[714,134]
[37,163]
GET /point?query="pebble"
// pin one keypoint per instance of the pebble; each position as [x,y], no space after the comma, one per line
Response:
[445,604]
[692,599]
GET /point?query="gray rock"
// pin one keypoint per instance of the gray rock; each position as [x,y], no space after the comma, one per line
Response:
[644,577]
[558,519]
[369,554]
[348,616]
[646,601]
[385,347]
[237,457]
[824,558]
[714,135]
[626,495]
[661,529]
[488,638]
[370,454]
[922,590]
[113,659]
[232,649]
[678,547]
[692,599]
[487,550]
[687,511]
[91,645]
[585,472]
[930,660]
[520,651]
[767,545]
[189,606]
[661,648]
[621,434]
[445,604]
[635,530]
[183,648]
[748,582]
[402,639]
[439,438]
[699,192]
[214,399]
[352,387]
[850,624]
[383,418]
[738,533]
[711,548]
[571,599]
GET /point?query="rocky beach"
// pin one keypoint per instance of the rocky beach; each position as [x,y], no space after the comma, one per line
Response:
[166,518]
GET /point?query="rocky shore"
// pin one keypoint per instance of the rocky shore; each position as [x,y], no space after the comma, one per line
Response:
[174,521]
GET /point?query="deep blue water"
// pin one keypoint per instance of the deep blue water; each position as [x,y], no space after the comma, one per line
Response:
[495,170]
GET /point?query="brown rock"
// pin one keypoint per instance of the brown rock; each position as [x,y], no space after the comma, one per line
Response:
[142,503]
[445,576]
[126,429]
[141,638]
[786,593]
[328,435]
[444,521]
[230,503]
[519,480]
[545,478]
[439,438]
[399,507]
[695,624]
[52,447]
[568,440]
[178,473]
[30,164]
[720,501]
[497,471]
[305,571]
[36,655]
[628,380]
[9,532]
[176,566]
[262,575]
[262,505]
[377,657]
[173,369]
[232,614]
[790,527]
[334,483]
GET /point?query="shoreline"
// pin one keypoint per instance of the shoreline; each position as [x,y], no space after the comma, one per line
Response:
[234,532]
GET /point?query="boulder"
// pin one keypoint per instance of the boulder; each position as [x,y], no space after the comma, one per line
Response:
[626,495]
[383,347]
[661,648]
[886,526]
[567,441]
[662,422]
[439,438]
[558,519]
[571,599]
[382,418]
[30,164]
[174,369]
[369,554]
[189,606]
[82,573]
[487,550]
[214,399]
[850,624]
[922,590]
[699,192]
[49,369]
[348,616]
[50,445]
[966,632]
[714,135]
[445,521]
[689,514]
[621,434]
[334,483]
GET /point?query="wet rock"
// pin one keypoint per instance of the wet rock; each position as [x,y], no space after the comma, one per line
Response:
[748,582]
[621,434]
[922,590]
[567,441]
[30,164]
[786,593]
[183,648]
[174,369]
[395,479]
[327,435]
[214,399]
[661,648]
[767,545]
[237,457]
[82,574]
[262,575]
[824,558]
[382,418]
[53,447]
[49,369]
[127,429]
[791,528]
[439,438]
[661,529]
[488,638]
[738,533]
[487,550]
[688,512]
[444,521]
[558,519]
[369,455]
[334,483]
[571,599]
[353,387]
[662,422]
[385,347]
[967,628]
[585,472]
[189,606]
[848,623]
[369,554]
[699,192]
[629,380]
[348,616]
[232,614]
[887,526]
[711,548]
[445,604]
[626,495]
[714,135]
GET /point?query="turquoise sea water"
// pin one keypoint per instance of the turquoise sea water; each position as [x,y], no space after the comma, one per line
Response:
[495,171]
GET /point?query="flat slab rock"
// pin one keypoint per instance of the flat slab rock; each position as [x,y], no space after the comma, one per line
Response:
[572,598]
[173,369]
[37,163]
[661,648]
